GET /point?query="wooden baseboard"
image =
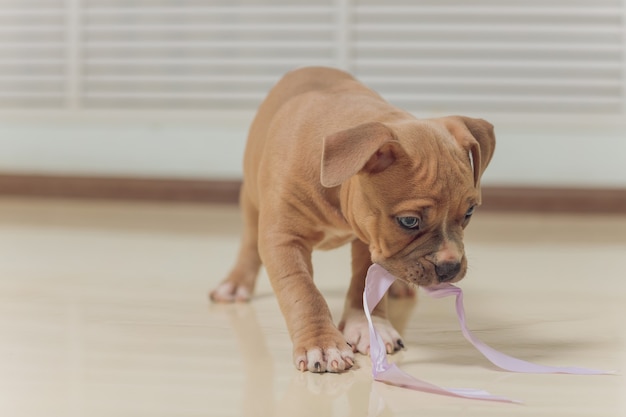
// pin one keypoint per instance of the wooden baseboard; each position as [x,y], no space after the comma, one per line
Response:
[113,188]
[522,199]
[555,200]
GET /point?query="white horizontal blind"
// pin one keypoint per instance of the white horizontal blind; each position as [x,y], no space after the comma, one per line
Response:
[197,54]
[485,56]
[33,44]
[432,56]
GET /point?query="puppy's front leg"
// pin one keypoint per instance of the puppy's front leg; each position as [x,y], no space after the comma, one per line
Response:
[317,344]
[354,323]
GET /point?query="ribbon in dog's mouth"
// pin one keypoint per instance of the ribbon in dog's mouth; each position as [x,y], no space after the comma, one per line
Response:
[378,282]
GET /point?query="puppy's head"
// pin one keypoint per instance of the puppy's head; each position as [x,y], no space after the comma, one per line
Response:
[411,189]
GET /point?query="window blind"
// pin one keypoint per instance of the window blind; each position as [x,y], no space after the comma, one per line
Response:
[33,61]
[430,57]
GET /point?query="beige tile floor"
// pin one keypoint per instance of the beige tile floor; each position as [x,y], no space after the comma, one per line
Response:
[103,312]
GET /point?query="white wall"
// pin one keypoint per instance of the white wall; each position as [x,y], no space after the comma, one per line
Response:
[549,156]
[168,150]
[557,157]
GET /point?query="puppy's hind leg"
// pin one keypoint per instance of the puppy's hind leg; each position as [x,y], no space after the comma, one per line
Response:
[400,289]
[240,282]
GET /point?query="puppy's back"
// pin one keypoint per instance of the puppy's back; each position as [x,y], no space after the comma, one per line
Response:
[293,84]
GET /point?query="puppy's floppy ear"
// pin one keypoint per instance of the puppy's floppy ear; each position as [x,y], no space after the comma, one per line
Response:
[370,147]
[477,138]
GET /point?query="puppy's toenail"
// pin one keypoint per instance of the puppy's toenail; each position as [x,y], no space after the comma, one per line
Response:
[349,361]
[318,367]
[400,343]
[335,365]
[302,366]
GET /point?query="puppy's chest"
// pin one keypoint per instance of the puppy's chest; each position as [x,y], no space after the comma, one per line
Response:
[333,238]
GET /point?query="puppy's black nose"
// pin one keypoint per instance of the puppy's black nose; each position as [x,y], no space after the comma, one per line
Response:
[446,271]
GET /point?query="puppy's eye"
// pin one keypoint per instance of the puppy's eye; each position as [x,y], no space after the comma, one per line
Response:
[469,212]
[409,222]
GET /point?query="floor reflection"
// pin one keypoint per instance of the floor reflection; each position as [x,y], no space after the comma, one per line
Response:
[307,394]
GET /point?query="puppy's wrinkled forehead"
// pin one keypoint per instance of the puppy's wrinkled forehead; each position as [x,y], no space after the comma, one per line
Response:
[435,155]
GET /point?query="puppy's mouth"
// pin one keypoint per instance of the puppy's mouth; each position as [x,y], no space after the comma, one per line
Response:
[426,274]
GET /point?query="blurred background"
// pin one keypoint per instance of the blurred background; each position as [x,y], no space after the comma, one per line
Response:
[166,90]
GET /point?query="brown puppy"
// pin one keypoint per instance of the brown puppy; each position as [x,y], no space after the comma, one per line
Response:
[329,162]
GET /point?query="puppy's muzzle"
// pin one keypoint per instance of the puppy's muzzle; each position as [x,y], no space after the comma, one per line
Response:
[447,271]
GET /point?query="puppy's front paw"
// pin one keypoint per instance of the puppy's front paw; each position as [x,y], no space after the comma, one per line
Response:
[356,331]
[229,292]
[327,351]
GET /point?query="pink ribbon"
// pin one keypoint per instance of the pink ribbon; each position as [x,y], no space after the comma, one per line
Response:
[378,282]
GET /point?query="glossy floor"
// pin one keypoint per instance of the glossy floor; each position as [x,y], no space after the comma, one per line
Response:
[103,312]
